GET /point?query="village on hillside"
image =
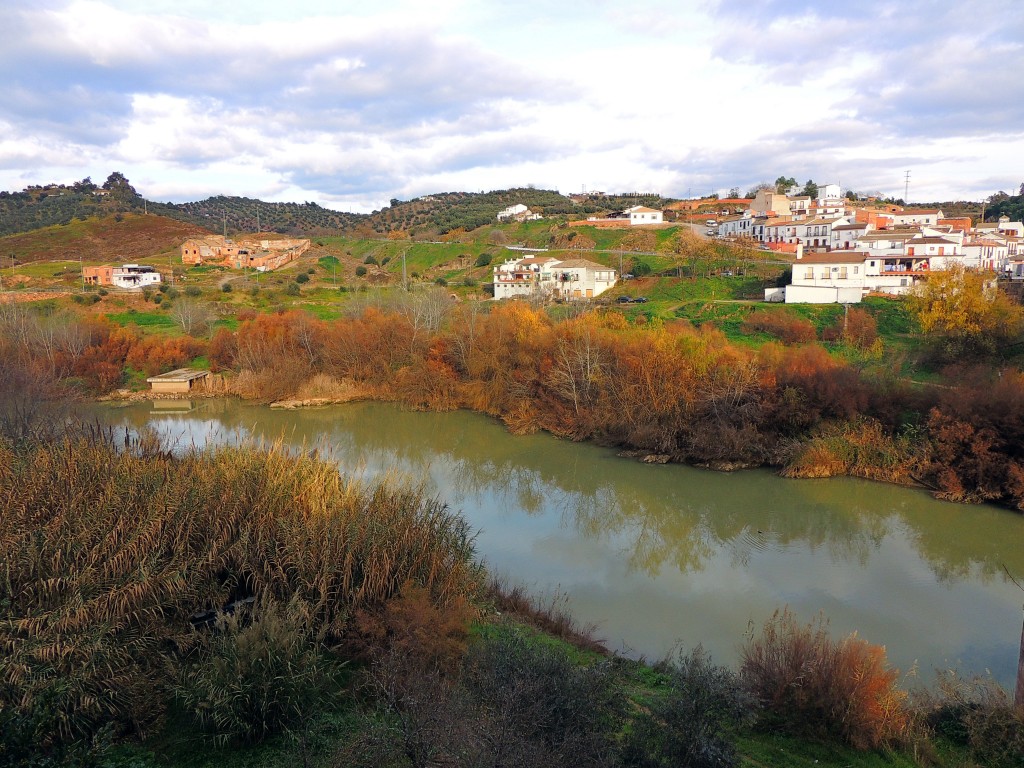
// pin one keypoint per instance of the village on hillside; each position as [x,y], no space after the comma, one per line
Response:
[842,250]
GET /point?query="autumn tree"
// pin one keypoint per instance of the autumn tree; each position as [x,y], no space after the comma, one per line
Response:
[194,317]
[963,313]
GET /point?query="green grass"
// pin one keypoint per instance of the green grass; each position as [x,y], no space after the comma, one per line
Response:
[146,320]
[770,751]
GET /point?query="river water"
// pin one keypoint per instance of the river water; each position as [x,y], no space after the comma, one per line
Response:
[659,556]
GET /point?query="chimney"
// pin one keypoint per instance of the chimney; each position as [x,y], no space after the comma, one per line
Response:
[799,250]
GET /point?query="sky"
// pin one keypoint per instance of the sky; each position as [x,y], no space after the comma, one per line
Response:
[352,104]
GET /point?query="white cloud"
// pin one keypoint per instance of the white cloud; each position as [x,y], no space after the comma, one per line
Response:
[356,105]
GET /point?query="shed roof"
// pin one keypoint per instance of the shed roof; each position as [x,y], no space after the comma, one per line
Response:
[180,375]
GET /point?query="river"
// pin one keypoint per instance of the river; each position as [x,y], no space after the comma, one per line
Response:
[658,556]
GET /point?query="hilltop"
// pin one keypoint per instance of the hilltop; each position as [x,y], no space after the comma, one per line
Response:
[37,207]
[122,237]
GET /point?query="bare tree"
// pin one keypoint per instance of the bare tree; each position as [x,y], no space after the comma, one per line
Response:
[194,317]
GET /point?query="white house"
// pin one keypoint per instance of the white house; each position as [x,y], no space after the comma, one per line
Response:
[986,253]
[827,278]
[829,194]
[1010,228]
[921,216]
[736,226]
[517,212]
[127,276]
[844,236]
[581,279]
[640,214]
[522,276]
[816,232]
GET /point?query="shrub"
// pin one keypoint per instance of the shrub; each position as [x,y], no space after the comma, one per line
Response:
[540,701]
[811,686]
[171,292]
[226,287]
[193,291]
[470,282]
[640,268]
[371,259]
[855,327]
[483,260]
[441,281]
[158,299]
[163,288]
[360,271]
[302,277]
[783,325]
[102,292]
[257,677]
[976,713]
[688,724]
[292,289]
[179,535]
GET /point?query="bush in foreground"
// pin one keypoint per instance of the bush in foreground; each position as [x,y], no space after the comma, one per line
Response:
[689,725]
[128,545]
[813,686]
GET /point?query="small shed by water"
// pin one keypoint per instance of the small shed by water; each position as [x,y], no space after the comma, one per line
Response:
[175,382]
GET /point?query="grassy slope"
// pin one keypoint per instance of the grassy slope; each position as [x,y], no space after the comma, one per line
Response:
[98,240]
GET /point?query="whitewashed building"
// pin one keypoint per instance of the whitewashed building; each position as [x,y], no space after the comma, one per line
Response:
[640,214]
[827,278]
[550,277]
[517,212]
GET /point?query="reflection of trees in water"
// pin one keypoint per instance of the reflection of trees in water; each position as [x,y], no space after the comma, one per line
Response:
[654,515]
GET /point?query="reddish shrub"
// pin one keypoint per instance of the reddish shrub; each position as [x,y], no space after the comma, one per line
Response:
[222,350]
[783,325]
[812,686]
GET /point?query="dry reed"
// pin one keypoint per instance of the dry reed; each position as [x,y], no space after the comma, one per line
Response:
[107,554]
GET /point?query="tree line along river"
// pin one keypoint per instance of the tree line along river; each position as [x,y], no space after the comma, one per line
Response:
[660,555]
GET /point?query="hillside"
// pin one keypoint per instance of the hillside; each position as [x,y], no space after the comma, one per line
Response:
[117,237]
[37,207]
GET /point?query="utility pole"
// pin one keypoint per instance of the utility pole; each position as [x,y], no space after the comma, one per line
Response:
[405,283]
[258,218]
[225,212]
[906,188]
[81,266]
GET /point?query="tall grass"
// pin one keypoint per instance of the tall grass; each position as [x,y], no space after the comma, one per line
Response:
[106,555]
[811,685]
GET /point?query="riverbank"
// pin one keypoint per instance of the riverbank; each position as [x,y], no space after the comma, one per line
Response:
[367,620]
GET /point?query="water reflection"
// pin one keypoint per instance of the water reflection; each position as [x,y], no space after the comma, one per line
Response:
[662,553]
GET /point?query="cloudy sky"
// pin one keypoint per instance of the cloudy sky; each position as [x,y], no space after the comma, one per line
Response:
[350,104]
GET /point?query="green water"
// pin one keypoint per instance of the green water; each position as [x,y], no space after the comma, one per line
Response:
[662,555]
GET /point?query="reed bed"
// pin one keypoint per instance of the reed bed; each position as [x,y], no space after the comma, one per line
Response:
[107,554]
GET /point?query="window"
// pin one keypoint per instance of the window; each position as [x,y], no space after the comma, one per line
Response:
[856,270]
[842,273]
[809,274]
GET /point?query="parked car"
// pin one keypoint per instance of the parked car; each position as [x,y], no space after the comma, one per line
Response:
[710,223]
[624,300]
[640,300]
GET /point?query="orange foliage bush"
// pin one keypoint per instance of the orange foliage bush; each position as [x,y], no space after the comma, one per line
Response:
[856,327]
[811,685]
[155,354]
[222,350]
[101,365]
[783,325]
